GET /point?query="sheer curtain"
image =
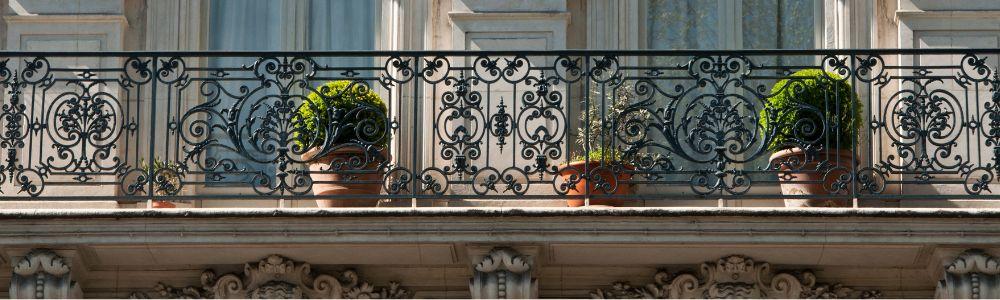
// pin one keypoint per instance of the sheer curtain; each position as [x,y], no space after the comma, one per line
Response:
[342,25]
[240,25]
[780,24]
[245,25]
[683,24]
[696,24]
[265,25]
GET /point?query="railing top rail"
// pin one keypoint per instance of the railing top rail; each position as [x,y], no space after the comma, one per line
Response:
[571,52]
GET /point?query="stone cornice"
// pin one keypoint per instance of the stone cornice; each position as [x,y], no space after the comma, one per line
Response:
[474,225]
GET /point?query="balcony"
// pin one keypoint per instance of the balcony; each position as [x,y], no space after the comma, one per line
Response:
[869,128]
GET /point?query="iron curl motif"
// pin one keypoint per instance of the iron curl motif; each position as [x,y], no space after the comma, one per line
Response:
[925,124]
[710,124]
[461,125]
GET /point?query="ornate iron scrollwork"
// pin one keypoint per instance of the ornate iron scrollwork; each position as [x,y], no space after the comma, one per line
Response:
[492,124]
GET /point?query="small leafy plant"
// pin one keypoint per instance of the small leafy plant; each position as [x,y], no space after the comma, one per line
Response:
[603,130]
[166,176]
[812,108]
[349,109]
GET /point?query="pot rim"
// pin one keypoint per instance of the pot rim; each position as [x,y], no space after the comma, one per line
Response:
[796,151]
[578,163]
[311,155]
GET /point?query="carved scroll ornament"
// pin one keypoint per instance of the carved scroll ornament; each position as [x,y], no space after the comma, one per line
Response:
[733,276]
[276,277]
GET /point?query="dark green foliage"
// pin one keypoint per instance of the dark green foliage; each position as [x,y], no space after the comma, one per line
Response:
[600,154]
[351,108]
[799,105]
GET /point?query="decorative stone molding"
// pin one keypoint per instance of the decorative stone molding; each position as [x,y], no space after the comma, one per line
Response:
[974,274]
[277,277]
[733,276]
[43,274]
[504,273]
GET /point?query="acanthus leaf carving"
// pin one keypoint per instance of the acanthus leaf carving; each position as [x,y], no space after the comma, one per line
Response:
[974,274]
[733,276]
[277,277]
[163,291]
[43,274]
[504,273]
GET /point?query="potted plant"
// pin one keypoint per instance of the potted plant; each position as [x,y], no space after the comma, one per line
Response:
[604,163]
[341,126]
[166,177]
[813,118]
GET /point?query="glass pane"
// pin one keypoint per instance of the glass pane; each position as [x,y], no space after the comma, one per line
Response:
[263,25]
[342,25]
[683,24]
[245,25]
[780,24]
[240,25]
[678,24]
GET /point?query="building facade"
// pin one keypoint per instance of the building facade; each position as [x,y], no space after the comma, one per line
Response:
[503,149]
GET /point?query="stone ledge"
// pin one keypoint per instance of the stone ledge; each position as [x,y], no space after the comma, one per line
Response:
[57,205]
[42,213]
[492,225]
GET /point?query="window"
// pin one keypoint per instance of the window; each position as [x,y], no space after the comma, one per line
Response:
[733,24]
[277,25]
[726,24]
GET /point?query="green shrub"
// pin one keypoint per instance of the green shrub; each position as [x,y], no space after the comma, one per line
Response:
[344,102]
[802,98]
[600,154]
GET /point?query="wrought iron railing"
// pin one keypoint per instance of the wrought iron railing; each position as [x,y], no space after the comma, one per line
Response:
[658,125]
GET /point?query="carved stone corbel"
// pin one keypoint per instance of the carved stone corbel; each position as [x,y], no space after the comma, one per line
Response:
[503,273]
[276,277]
[733,276]
[974,274]
[42,274]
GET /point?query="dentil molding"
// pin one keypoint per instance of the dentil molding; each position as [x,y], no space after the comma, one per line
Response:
[733,276]
[277,277]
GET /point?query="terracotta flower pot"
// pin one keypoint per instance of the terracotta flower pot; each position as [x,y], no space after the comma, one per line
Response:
[805,180]
[320,170]
[577,168]
[174,181]
[164,204]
